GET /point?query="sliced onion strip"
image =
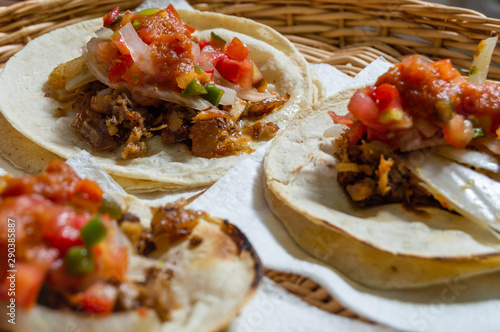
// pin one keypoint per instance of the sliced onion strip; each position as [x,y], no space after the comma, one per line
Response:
[482,58]
[245,94]
[139,50]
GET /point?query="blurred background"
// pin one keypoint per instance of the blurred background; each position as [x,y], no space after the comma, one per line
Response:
[490,8]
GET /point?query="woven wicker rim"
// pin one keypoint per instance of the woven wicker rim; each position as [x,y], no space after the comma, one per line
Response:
[366,29]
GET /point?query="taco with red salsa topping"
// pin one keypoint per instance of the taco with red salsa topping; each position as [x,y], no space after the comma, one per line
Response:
[77,258]
[176,98]
[403,190]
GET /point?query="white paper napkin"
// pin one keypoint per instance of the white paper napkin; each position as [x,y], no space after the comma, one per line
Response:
[469,305]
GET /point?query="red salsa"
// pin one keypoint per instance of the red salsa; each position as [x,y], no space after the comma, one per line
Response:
[175,57]
[417,101]
[63,238]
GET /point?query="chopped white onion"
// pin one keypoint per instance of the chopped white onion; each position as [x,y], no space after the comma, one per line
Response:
[203,60]
[245,94]
[139,50]
[92,45]
[104,33]
[104,92]
[96,67]
[169,95]
[196,50]
[482,58]
[81,79]
[229,96]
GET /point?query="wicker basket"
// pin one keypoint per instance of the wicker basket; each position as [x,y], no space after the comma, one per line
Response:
[348,34]
[351,33]
[25,20]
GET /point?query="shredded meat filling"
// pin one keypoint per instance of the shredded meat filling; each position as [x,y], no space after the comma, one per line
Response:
[373,174]
[107,119]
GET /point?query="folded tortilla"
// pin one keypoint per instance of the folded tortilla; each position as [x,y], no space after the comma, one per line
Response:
[211,282]
[23,100]
[385,246]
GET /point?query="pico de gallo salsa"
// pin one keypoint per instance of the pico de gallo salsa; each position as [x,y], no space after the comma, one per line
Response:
[416,104]
[71,251]
[63,238]
[156,45]
[148,74]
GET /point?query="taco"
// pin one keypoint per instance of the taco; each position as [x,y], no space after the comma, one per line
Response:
[181,120]
[84,260]
[378,205]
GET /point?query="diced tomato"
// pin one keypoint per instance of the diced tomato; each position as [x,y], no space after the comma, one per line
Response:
[28,280]
[445,69]
[356,131]
[18,186]
[87,195]
[203,43]
[229,69]
[58,279]
[64,231]
[133,75]
[107,51]
[236,50]
[245,79]
[174,14]
[118,67]
[111,16]
[118,41]
[111,260]
[458,131]
[342,119]
[128,17]
[363,107]
[214,57]
[98,299]
[189,28]
[388,97]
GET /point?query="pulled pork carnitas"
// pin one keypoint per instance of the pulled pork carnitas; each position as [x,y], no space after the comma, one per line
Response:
[108,118]
[416,105]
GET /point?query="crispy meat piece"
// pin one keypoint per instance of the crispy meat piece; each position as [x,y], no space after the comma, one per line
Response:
[134,147]
[263,131]
[204,137]
[93,130]
[172,223]
[108,118]
[260,108]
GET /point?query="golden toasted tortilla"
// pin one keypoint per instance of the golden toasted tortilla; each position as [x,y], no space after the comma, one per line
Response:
[383,247]
[23,100]
[215,272]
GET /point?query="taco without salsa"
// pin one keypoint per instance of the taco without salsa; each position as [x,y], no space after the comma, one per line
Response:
[88,261]
[177,102]
[378,201]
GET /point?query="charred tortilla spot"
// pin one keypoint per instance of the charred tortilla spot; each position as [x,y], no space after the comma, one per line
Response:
[195,241]
[244,245]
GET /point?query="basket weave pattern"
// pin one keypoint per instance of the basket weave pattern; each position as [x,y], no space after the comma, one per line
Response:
[351,33]
[25,20]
